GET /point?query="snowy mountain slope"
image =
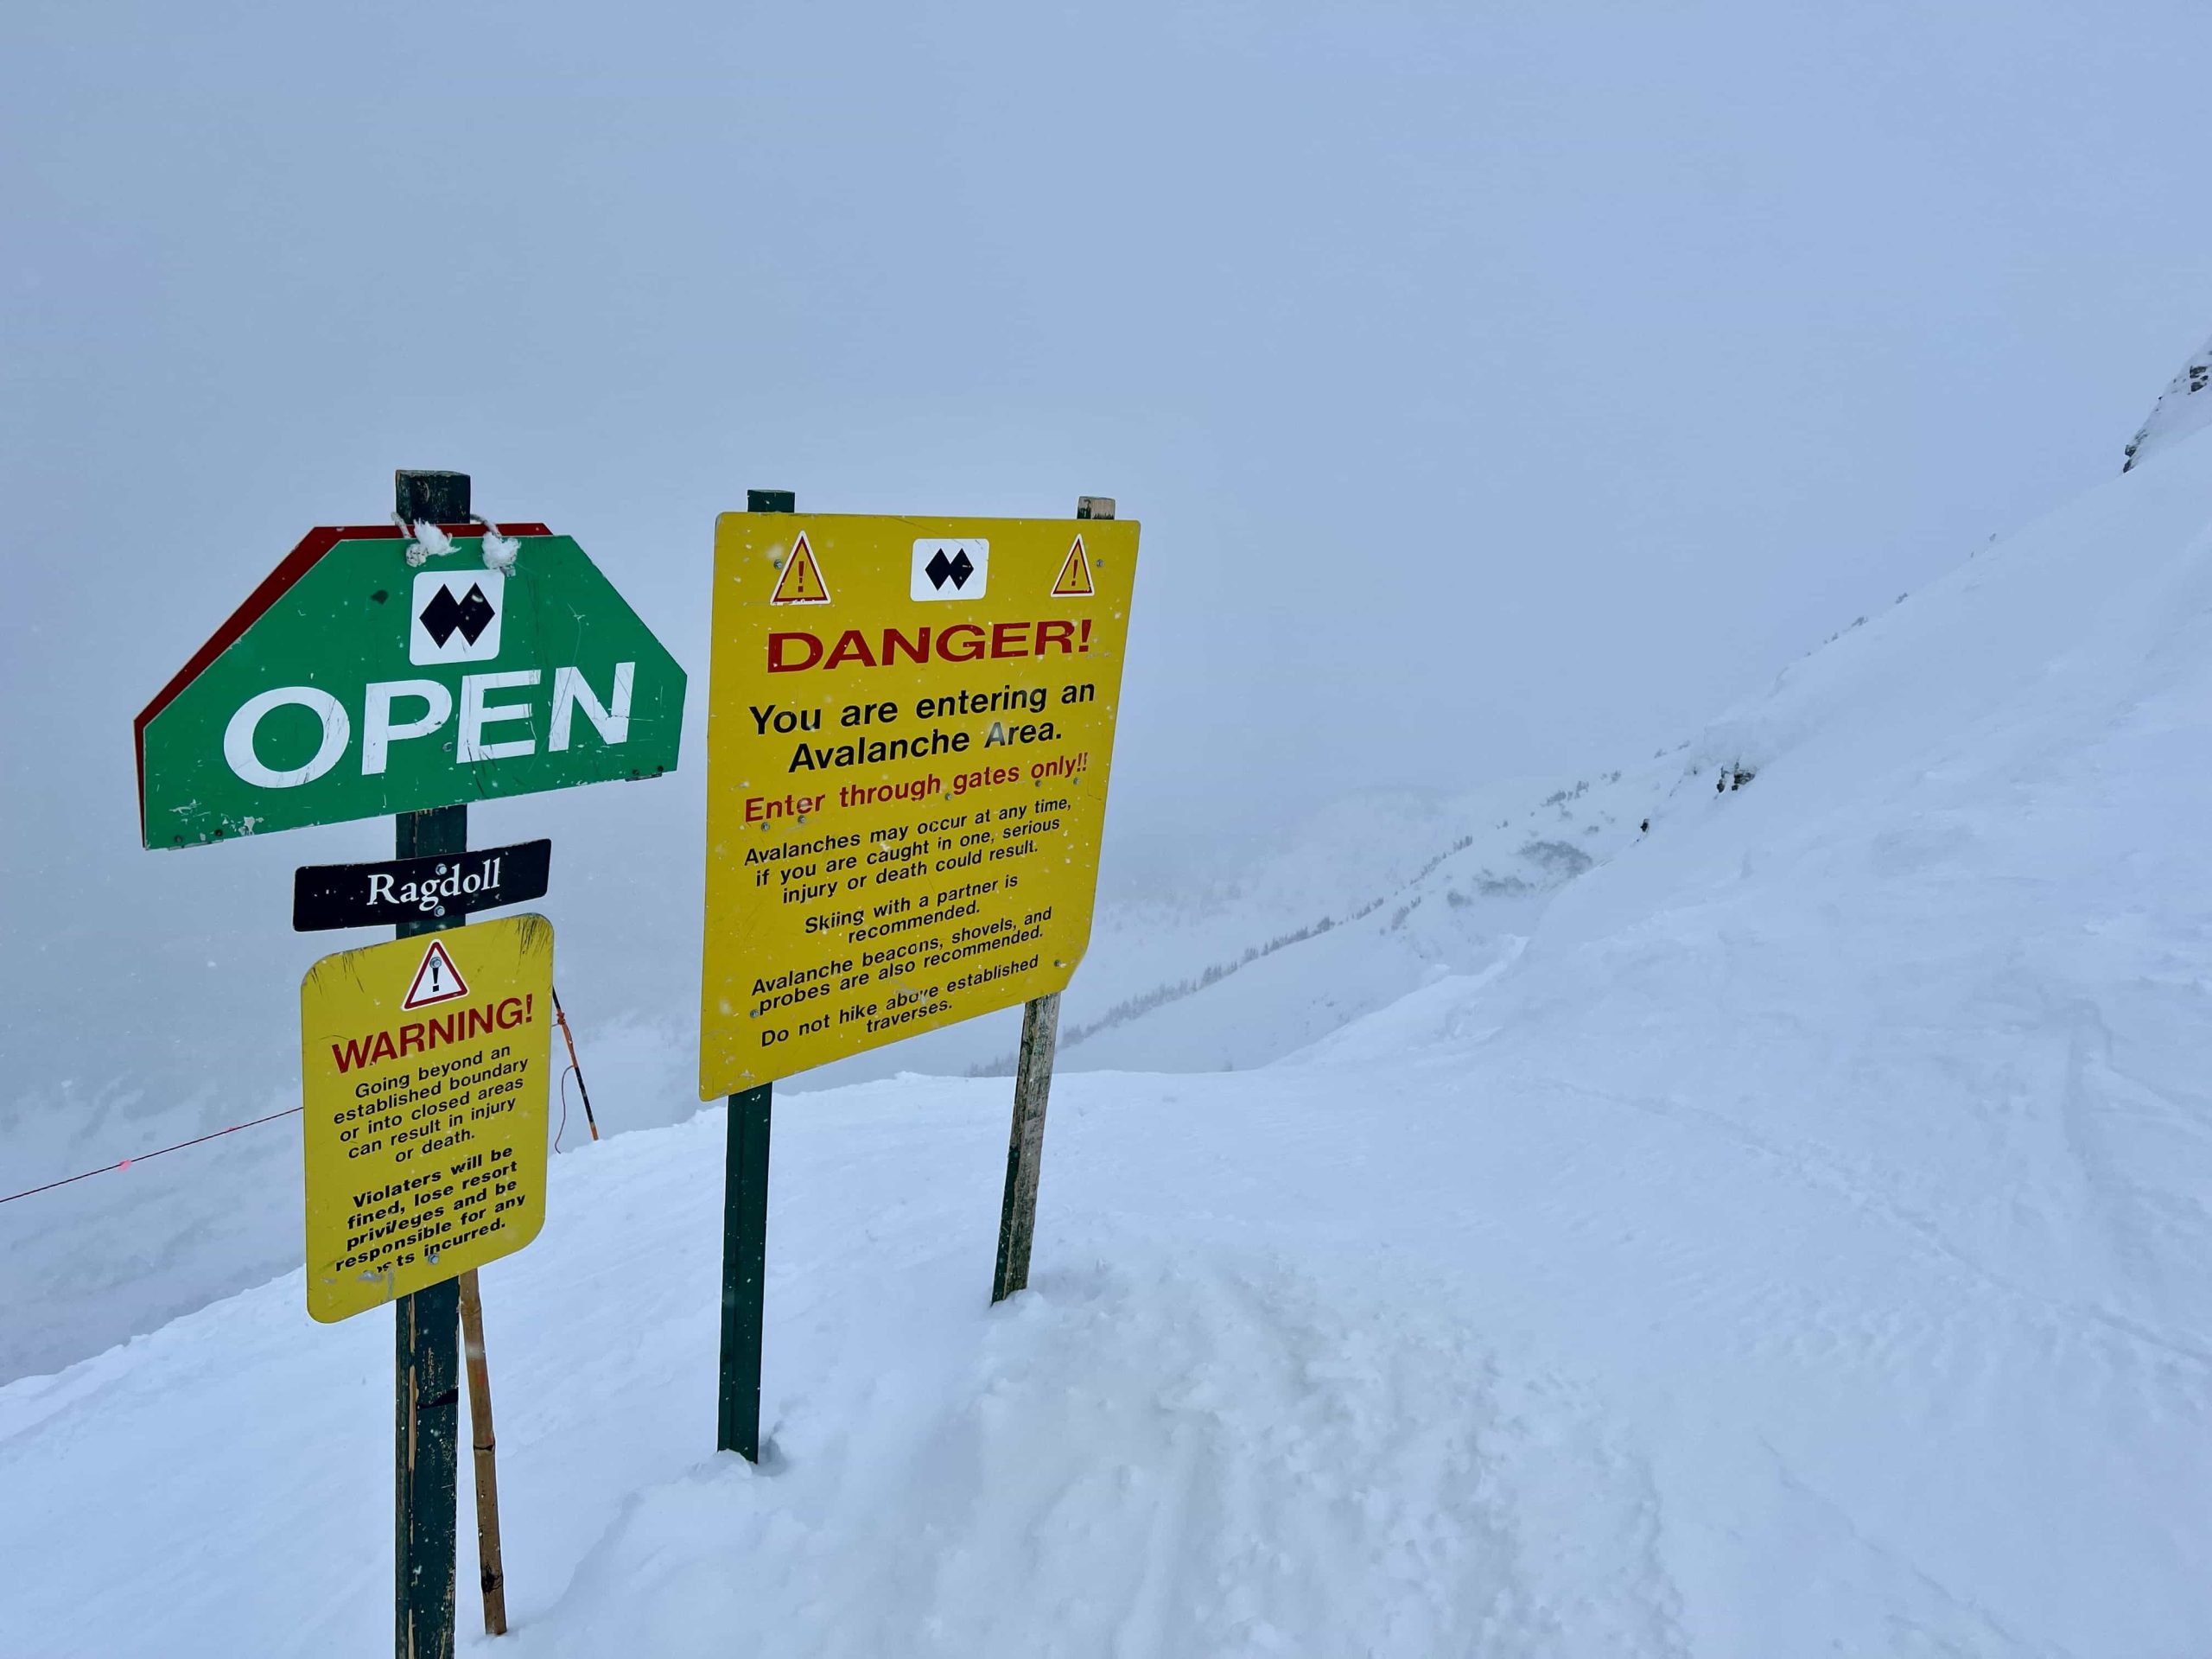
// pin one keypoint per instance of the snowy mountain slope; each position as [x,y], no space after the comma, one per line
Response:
[1351,952]
[1796,1247]
[1158,934]
[1501,853]
[1466,907]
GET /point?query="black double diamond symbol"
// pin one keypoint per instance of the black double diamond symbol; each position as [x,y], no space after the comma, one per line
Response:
[956,570]
[444,616]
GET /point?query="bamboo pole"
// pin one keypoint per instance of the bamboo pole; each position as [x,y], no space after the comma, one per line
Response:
[493,1576]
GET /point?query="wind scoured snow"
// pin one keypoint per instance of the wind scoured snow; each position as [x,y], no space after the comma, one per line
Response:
[1796,1246]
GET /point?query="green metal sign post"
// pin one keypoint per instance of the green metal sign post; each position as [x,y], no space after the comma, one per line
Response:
[425,1328]
[745,1218]
[744,1266]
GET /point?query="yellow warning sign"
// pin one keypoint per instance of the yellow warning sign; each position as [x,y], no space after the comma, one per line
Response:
[424,1125]
[904,789]
[801,582]
[1074,581]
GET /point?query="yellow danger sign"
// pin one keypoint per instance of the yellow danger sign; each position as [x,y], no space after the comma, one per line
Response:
[424,1065]
[905,787]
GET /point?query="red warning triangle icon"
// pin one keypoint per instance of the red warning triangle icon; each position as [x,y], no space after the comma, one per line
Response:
[1075,581]
[801,582]
[436,980]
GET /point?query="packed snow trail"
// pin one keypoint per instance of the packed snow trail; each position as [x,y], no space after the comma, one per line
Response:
[1797,1247]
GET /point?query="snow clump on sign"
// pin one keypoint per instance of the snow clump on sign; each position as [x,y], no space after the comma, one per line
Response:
[500,551]
[430,543]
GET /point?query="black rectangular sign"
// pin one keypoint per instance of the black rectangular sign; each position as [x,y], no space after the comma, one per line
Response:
[409,889]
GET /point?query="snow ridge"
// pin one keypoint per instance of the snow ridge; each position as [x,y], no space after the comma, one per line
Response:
[2179,411]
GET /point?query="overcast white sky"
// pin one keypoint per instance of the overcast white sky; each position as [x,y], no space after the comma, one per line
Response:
[1501,388]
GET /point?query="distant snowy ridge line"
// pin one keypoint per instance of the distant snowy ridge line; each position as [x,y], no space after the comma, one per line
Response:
[1554,862]
[1145,1001]
[1561,858]
[2185,406]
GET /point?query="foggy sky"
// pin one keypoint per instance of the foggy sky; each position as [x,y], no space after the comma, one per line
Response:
[1502,389]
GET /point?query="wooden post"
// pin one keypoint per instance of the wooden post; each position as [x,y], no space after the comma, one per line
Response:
[1025,1151]
[493,1578]
[1032,1084]
[745,1219]
[427,1383]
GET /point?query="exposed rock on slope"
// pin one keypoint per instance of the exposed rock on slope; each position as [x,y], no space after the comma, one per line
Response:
[2179,411]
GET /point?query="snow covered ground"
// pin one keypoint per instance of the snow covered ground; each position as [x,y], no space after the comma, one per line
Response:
[1785,1235]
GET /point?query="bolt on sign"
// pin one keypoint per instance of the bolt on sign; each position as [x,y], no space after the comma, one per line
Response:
[910,730]
[351,684]
[424,1062]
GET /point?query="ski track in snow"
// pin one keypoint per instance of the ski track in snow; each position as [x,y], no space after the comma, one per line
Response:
[1269,1480]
